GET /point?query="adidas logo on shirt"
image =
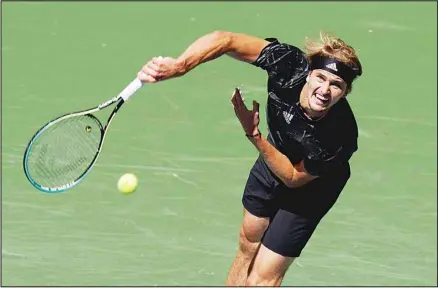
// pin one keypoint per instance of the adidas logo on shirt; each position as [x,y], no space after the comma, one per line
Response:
[332,66]
[287,116]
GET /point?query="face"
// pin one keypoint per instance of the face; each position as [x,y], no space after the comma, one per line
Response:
[322,91]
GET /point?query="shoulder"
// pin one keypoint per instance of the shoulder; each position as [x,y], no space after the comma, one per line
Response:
[338,130]
[342,131]
[276,52]
[344,117]
[334,142]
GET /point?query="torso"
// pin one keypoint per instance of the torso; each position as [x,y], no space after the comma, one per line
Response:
[290,131]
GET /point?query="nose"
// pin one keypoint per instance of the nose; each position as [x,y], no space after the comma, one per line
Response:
[325,88]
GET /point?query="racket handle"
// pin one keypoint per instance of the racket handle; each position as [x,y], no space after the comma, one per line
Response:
[130,90]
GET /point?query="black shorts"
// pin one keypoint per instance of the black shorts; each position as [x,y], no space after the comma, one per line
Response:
[294,213]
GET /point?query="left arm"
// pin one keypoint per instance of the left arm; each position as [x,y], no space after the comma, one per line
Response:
[291,175]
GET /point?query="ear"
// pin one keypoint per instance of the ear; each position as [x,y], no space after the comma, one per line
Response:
[308,76]
[345,93]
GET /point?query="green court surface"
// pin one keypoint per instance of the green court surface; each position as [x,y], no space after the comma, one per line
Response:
[187,148]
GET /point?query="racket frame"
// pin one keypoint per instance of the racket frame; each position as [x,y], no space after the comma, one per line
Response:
[120,99]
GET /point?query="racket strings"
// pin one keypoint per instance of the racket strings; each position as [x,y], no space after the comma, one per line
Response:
[64,151]
[44,165]
[44,170]
[66,154]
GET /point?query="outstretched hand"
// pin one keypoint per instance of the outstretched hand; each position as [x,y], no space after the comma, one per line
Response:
[249,119]
[159,68]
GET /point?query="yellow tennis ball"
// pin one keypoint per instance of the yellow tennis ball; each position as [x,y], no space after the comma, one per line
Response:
[127,183]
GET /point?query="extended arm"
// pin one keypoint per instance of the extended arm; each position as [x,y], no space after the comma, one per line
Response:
[242,47]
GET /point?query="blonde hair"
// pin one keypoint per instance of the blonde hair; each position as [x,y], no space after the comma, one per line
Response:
[333,47]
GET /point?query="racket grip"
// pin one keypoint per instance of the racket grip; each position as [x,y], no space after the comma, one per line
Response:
[130,90]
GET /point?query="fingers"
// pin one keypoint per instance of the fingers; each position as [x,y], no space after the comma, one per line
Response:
[151,71]
[255,109]
[239,95]
[255,106]
[234,97]
[237,100]
[143,77]
[249,119]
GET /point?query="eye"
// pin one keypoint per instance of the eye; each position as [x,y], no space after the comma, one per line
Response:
[319,78]
[336,85]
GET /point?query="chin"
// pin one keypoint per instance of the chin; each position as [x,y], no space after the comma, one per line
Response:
[317,108]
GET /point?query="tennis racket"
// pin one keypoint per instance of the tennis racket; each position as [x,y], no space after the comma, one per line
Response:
[63,151]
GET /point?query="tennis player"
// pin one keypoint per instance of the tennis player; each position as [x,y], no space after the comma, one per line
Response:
[303,162]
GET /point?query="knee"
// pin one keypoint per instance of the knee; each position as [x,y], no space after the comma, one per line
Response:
[247,246]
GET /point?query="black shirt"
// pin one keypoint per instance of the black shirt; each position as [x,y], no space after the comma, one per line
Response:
[323,144]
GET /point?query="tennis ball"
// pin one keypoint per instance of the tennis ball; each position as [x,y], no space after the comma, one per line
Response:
[127,183]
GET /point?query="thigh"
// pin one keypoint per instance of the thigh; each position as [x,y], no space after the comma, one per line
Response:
[251,233]
[288,233]
[253,227]
[269,267]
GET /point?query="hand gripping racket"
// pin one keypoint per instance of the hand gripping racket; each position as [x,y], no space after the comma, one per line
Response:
[63,151]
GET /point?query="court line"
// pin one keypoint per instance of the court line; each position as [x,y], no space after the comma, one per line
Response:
[178,198]
[393,119]
[145,167]
[14,146]
[50,211]
[17,156]
[13,106]
[146,231]
[110,251]
[170,162]
[363,133]
[401,152]
[185,180]
[171,103]
[175,247]
[7,253]
[387,25]
[215,159]
[247,89]
[357,259]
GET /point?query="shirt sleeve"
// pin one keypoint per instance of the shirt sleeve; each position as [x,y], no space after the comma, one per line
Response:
[279,57]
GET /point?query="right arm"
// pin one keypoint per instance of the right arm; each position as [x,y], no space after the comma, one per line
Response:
[242,47]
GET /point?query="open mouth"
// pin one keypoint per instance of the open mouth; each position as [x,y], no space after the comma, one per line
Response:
[320,100]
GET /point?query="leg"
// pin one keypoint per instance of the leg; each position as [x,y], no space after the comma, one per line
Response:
[269,268]
[285,238]
[257,202]
[251,233]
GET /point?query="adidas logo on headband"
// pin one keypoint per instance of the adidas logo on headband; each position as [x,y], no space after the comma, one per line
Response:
[347,73]
[332,66]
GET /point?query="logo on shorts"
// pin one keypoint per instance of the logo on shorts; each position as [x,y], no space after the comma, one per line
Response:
[332,66]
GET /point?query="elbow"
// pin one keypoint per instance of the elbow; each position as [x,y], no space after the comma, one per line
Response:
[289,183]
[295,182]
[221,34]
[225,38]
